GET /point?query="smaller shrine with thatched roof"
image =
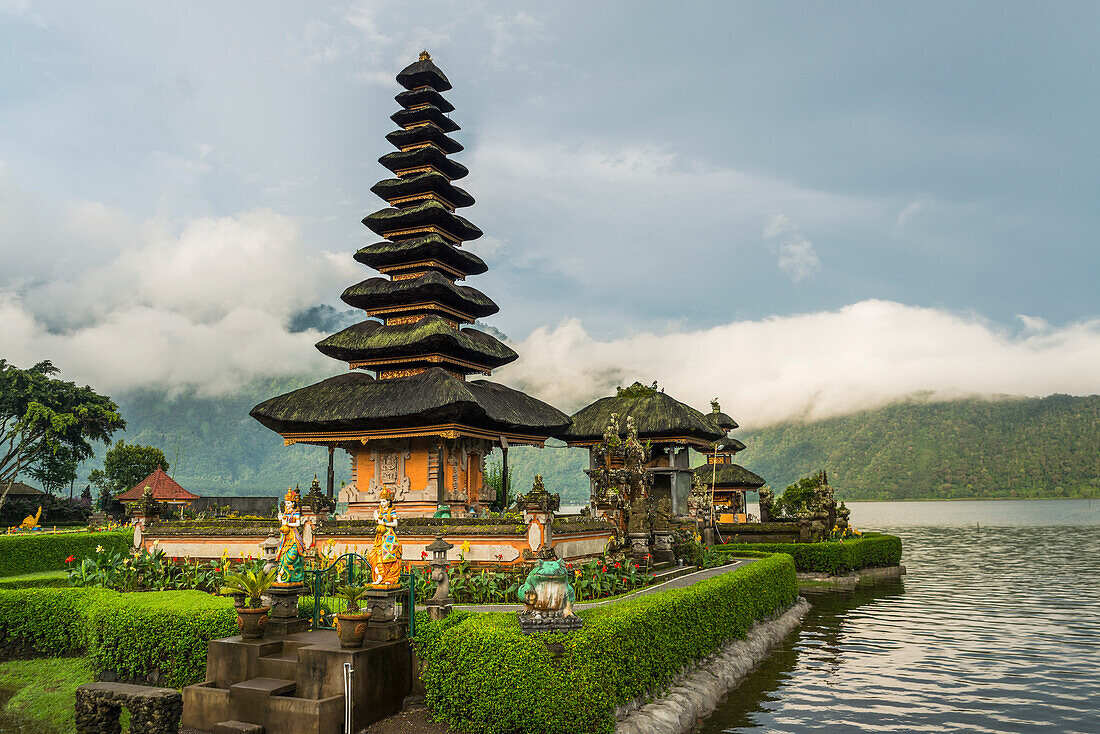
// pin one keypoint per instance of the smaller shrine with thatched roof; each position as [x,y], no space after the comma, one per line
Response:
[720,485]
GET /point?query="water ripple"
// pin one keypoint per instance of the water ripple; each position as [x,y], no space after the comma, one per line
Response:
[993,630]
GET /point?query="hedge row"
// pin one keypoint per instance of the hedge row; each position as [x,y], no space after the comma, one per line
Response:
[35,580]
[868,551]
[43,550]
[134,635]
[482,674]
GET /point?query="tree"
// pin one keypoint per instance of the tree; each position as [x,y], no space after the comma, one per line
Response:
[54,471]
[43,418]
[125,465]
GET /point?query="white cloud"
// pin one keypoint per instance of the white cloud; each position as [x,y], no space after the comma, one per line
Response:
[198,302]
[796,255]
[815,365]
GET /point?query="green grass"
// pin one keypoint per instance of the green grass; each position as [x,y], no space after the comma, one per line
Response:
[44,692]
[35,580]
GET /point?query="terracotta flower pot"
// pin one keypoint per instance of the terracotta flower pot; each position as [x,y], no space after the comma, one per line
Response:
[252,622]
[352,628]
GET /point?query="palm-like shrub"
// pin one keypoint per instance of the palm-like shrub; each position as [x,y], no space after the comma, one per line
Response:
[352,595]
[251,583]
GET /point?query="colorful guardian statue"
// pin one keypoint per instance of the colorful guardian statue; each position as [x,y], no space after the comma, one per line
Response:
[292,552]
[385,555]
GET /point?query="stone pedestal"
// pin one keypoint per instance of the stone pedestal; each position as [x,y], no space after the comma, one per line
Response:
[438,610]
[386,621]
[639,546]
[662,547]
[284,619]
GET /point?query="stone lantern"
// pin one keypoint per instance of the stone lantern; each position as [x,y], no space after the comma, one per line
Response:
[439,605]
[270,549]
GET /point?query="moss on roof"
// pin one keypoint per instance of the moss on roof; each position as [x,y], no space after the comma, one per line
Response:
[431,247]
[424,134]
[410,98]
[421,183]
[375,293]
[431,114]
[401,160]
[728,476]
[656,416]
[357,401]
[430,335]
[421,215]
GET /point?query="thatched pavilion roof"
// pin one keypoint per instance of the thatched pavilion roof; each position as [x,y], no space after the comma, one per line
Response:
[657,417]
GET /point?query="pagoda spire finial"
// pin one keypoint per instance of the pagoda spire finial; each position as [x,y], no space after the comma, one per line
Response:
[425,56]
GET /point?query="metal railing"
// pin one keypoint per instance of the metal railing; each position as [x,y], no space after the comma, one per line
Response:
[352,569]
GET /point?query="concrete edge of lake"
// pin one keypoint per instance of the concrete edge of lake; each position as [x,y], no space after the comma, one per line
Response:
[696,692]
[820,582]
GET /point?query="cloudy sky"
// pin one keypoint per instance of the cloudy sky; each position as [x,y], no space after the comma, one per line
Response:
[802,208]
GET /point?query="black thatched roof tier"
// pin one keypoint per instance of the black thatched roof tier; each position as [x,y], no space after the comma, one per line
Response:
[422,183]
[656,416]
[729,446]
[431,287]
[371,340]
[417,97]
[395,224]
[356,401]
[722,420]
[433,247]
[423,73]
[429,113]
[418,158]
[732,476]
[422,136]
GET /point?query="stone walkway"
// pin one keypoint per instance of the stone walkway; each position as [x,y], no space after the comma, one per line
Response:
[676,583]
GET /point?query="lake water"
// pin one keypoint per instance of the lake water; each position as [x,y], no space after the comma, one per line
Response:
[994,629]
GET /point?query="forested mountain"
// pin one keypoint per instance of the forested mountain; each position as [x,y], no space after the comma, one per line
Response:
[921,449]
[916,449]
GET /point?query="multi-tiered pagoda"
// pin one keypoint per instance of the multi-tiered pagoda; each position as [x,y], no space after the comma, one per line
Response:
[723,483]
[416,426]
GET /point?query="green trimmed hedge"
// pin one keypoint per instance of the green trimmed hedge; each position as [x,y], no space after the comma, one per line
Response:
[43,550]
[482,674]
[35,580]
[868,551]
[130,634]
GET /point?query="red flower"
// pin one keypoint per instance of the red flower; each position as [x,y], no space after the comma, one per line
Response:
[423,555]
[636,565]
[603,568]
[616,565]
[70,559]
[216,569]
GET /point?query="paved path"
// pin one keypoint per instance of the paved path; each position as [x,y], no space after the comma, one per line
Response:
[676,583]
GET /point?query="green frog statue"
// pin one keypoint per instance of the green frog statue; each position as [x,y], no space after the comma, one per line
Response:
[548,596]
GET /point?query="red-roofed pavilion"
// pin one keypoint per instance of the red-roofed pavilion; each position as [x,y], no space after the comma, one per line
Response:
[165,489]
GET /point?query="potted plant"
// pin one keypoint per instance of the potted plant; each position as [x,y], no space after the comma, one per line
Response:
[351,625]
[251,618]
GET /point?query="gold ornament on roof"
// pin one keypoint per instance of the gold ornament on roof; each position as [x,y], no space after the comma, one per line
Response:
[425,56]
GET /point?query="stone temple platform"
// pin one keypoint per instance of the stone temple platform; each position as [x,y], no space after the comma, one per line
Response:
[294,684]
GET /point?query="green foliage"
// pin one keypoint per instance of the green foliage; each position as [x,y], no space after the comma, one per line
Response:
[46,423]
[482,674]
[351,596]
[44,691]
[797,498]
[42,550]
[919,449]
[42,579]
[125,465]
[131,634]
[251,582]
[870,550]
[55,510]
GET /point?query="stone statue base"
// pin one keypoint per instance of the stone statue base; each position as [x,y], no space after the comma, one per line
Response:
[639,546]
[437,610]
[662,547]
[284,619]
[536,621]
[387,621]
